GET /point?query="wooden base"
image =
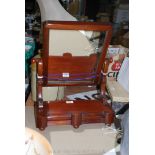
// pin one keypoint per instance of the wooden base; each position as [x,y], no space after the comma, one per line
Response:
[73,113]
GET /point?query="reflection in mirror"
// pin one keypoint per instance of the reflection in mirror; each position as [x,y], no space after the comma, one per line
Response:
[78,43]
[74,54]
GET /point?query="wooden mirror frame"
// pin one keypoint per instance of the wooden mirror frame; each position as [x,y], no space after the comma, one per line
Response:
[71,112]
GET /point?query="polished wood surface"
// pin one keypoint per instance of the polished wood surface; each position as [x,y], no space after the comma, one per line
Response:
[72,25]
[50,71]
[80,69]
[75,112]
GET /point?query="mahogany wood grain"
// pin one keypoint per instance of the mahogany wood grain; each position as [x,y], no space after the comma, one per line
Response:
[50,71]
[74,25]
[40,81]
[104,72]
[77,113]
